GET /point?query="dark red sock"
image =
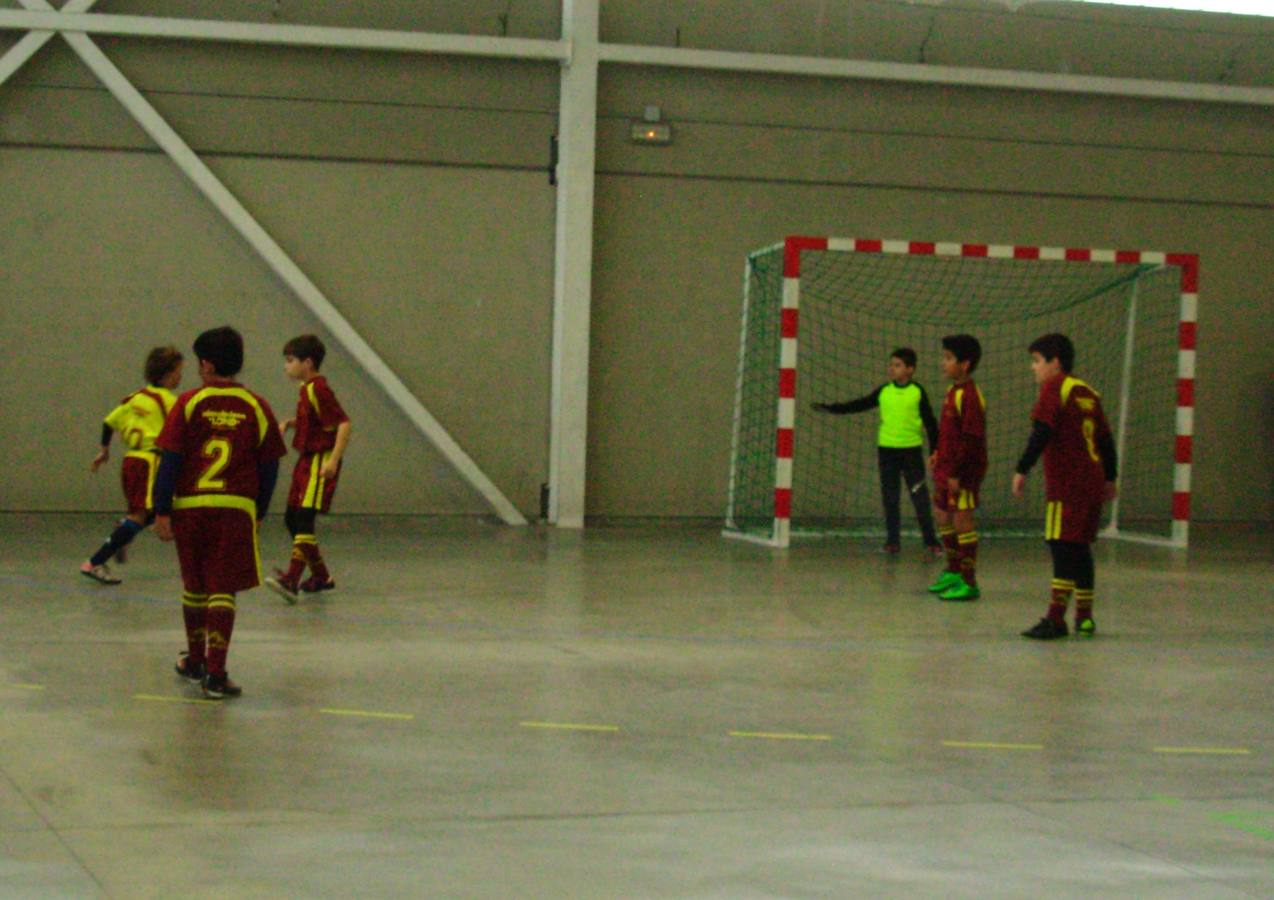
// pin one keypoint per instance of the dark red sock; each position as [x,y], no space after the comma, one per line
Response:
[1061,593]
[968,544]
[952,547]
[315,560]
[296,565]
[220,627]
[194,612]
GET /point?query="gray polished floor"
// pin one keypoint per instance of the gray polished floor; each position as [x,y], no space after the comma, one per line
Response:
[480,711]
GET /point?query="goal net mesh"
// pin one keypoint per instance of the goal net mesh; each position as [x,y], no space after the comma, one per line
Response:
[855,308]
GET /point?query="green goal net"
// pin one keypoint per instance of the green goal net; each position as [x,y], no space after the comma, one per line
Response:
[822,316]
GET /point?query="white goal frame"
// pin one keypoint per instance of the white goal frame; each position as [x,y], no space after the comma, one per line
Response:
[784,438]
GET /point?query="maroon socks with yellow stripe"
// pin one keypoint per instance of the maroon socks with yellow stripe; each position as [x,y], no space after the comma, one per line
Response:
[967,542]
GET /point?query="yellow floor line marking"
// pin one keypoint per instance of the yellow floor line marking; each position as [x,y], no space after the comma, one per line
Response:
[157,698]
[367,714]
[26,687]
[569,726]
[990,745]
[1218,751]
[780,736]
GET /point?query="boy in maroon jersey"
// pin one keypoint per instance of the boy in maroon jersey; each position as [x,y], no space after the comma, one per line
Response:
[322,433]
[221,450]
[1080,467]
[958,466]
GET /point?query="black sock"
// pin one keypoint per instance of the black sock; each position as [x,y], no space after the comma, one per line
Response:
[122,536]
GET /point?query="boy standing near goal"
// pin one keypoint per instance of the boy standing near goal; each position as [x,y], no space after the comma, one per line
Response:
[221,449]
[959,465]
[322,433]
[138,418]
[1069,429]
[906,418]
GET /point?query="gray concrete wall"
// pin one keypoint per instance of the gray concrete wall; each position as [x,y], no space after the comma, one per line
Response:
[413,191]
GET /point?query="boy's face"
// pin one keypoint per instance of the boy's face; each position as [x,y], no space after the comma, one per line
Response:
[899,371]
[952,368]
[1044,369]
[297,369]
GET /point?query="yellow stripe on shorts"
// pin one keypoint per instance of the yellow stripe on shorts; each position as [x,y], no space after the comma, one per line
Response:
[1053,520]
[314,489]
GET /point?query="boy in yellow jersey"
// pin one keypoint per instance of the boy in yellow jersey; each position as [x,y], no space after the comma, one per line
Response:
[959,465]
[138,418]
[906,418]
[322,433]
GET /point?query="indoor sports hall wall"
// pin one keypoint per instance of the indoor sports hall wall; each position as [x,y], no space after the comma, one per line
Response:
[413,191]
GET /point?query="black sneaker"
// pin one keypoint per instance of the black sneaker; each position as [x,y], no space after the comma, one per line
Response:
[188,670]
[1046,630]
[218,687]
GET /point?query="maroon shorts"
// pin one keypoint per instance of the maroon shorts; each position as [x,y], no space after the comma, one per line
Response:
[966,498]
[1071,520]
[310,490]
[217,549]
[137,475]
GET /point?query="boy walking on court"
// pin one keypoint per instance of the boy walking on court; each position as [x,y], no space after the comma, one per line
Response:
[1069,428]
[906,418]
[322,433]
[958,465]
[138,418]
[221,450]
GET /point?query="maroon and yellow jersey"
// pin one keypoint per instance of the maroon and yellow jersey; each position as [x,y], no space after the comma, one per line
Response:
[318,413]
[222,432]
[962,435]
[1072,459]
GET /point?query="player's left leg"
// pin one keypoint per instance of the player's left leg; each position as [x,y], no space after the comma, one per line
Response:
[967,542]
[216,683]
[1085,581]
[913,473]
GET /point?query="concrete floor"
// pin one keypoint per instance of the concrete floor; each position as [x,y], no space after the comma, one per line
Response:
[489,712]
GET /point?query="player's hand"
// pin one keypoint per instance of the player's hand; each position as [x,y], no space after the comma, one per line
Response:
[164,528]
[330,468]
[953,485]
[933,460]
[102,456]
[1019,483]
[1110,492]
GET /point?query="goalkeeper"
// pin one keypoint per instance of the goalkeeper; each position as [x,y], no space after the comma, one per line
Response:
[906,418]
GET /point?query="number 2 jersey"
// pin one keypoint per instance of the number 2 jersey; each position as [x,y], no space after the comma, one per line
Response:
[222,433]
[1073,470]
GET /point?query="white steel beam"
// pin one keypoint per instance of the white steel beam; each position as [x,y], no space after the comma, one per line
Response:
[293,35]
[277,259]
[573,269]
[31,43]
[1001,79]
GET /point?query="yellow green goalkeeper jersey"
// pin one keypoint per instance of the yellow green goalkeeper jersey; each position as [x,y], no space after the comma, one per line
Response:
[140,417]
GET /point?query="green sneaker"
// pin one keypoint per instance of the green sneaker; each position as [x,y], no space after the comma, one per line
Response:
[1085,628]
[945,581]
[960,592]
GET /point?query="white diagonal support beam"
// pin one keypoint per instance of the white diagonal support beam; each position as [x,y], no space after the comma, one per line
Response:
[35,18]
[277,259]
[30,44]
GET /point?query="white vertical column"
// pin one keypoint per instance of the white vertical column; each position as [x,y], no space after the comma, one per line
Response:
[573,272]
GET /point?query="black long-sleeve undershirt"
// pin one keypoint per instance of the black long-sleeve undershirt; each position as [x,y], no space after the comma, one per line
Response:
[1041,434]
[872,400]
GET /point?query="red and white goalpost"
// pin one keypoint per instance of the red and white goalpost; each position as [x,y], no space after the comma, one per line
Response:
[831,309]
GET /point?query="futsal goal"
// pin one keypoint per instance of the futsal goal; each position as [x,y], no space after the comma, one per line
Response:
[822,315]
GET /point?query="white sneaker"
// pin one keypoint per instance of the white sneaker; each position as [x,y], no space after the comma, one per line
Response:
[99,573]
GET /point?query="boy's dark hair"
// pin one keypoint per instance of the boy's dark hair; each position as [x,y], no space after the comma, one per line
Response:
[1055,346]
[161,361]
[907,355]
[965,348]
[306,346]
[223,347]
